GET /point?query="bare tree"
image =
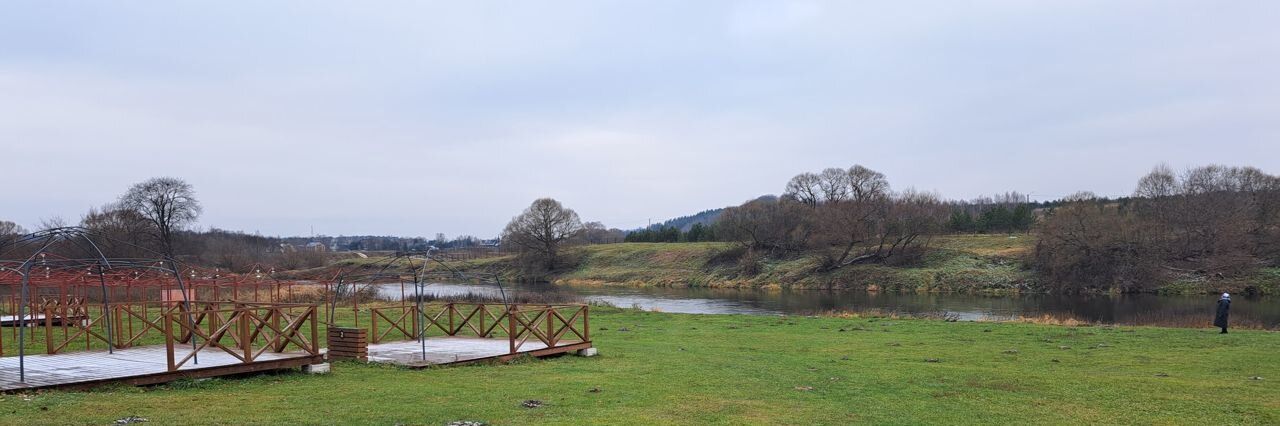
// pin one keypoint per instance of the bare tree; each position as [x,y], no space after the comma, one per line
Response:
[168,203]
[768,225]
[1089,245]
[866,184]
[854,220]
[597,233]
[1159,183]
[805,188]
[539,233]
[53,222]
[9,233]
[125,230]
[834,184]
[10,228]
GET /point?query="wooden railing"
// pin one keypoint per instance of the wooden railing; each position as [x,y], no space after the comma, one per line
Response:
[245,331]
[542,325]
[552,325]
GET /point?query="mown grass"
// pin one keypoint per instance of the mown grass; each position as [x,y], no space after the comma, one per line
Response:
[657,368]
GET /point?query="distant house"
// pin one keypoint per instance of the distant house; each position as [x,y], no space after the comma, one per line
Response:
[311,247]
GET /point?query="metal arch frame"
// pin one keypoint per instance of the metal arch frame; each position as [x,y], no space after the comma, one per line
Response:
[427,257]
[82,239]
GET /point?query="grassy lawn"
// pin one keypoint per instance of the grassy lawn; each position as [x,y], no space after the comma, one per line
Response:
[657,368]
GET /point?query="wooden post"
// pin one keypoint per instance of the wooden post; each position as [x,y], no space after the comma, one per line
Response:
[48,329]
[586,326]
[373,323]
[451,311]
[413,313]
[168,339]
[315,334]
[511,327]
[245,344]
[551,330]
[275,313]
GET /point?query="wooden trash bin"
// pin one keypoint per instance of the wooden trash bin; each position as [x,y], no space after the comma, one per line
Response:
[348,343]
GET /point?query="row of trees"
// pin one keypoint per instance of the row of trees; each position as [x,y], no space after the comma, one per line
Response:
[845,216]
[994,219]
[146,219]
[669,234]
[152,219]
[1211,221]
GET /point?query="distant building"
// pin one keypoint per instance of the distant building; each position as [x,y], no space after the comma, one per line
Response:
[311,246]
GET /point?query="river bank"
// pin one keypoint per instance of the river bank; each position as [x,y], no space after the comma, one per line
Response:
[742,369]
[970,264]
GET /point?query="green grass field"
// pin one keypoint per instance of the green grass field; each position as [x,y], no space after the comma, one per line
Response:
[657,368]
[968,263]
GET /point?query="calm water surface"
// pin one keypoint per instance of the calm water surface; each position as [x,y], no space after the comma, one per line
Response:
[1125,309]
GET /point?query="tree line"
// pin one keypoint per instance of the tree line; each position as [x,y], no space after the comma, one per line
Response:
[670,234]
[152,220]
[1211,222]
[844,216]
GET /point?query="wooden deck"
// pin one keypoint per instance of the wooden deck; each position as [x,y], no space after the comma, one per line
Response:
[137,366]
[37,320]
[459,350]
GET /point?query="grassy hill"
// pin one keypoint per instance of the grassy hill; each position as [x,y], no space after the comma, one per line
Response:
[989,264]
[972,263]
[957,263]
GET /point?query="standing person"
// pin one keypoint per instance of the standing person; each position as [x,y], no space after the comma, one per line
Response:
[1224,311]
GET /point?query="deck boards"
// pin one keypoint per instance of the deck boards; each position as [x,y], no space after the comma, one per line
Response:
[148,364]
[445,350]
[94,366]
[34,320]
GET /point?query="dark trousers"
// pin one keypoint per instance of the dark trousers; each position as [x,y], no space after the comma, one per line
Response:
[1224,330]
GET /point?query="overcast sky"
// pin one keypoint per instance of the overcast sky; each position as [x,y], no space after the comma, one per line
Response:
[421,117]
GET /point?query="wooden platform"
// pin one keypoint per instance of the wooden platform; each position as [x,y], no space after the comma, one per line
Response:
[458,350]
[137,366]
[37,320]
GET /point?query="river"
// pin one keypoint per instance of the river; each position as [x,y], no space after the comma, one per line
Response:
[1142,309]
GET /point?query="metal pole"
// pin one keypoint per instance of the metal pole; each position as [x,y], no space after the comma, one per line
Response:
[22,324]
[106,310]
[186,305]
[422,317]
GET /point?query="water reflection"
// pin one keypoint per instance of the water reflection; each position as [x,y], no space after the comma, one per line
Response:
[1124,309]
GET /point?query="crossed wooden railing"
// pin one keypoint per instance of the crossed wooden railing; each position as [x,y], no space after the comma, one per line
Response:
[551,325]
[244,331]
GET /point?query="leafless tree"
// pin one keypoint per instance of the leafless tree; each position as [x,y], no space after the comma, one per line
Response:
[125,230]
[168,203]
[805,188]
[9,232]
[851,221]
[597,233]
[1209,222]
[10,228]
[539,233]
[1159,183]
[1089,245]
[834,184]
[768,225]
[53,222]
